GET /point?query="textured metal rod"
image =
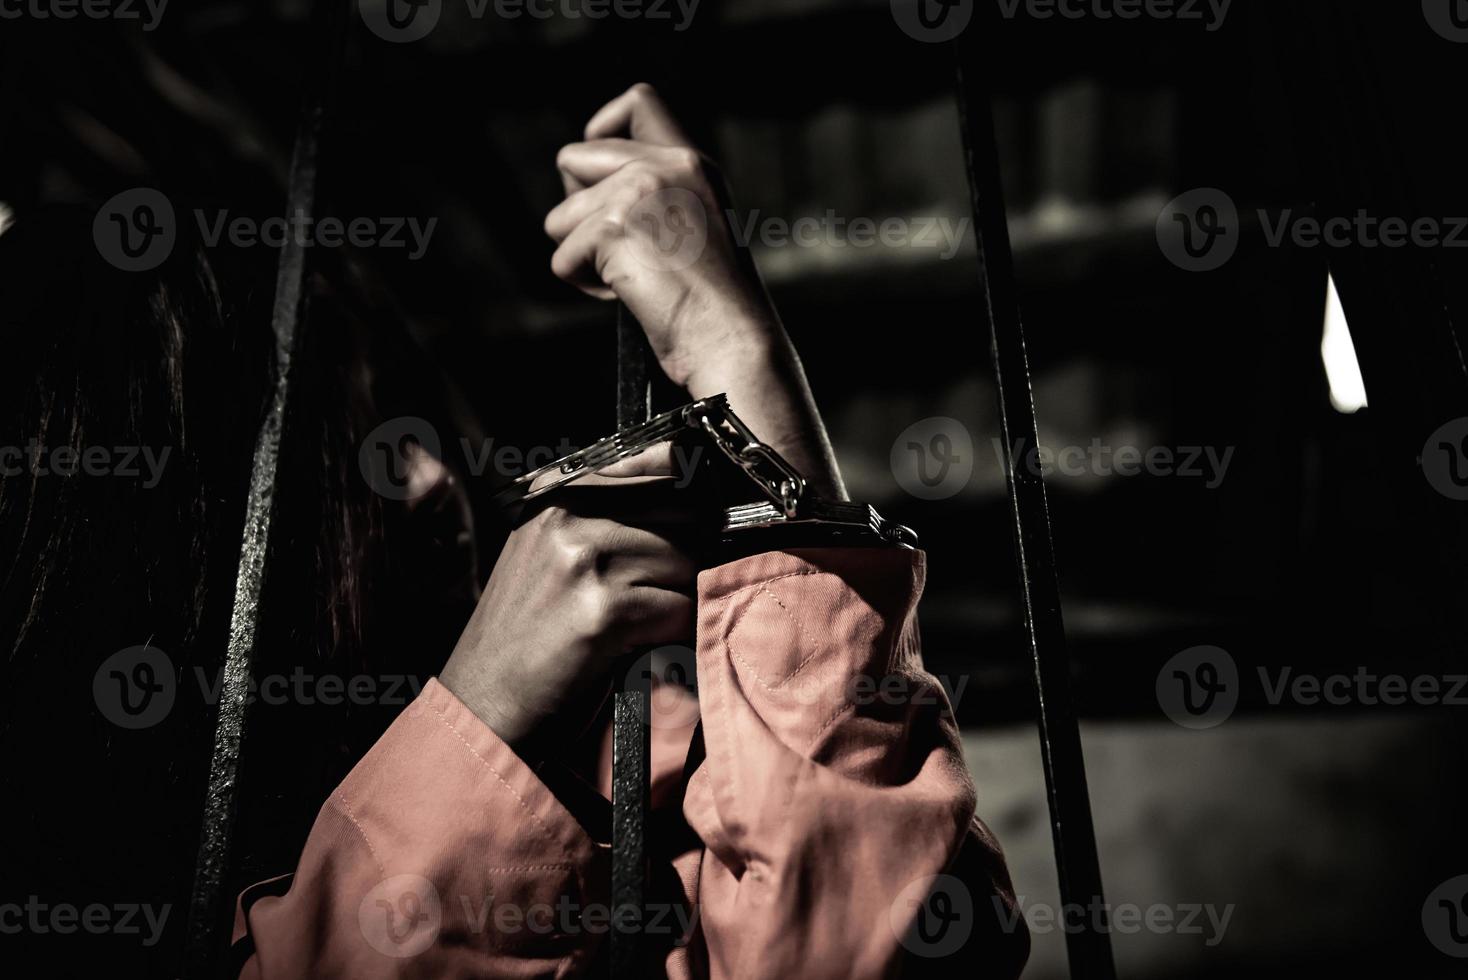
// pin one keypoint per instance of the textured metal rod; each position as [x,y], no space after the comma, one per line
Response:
[207,935]
[631,742]
[1088,941]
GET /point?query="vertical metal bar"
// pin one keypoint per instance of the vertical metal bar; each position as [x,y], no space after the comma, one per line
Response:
[1088,938]
[634,378]
[639,54]
[631,735]
[207,929]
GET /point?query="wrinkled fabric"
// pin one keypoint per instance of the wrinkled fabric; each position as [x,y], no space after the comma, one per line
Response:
[805,844]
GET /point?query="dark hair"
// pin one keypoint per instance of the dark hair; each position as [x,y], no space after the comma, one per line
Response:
[120,428]
[151,373]
[123,426]
[164,384]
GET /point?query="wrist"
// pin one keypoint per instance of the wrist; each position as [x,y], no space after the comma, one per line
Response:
[767,389]
[746,360]
[486,703]
[720,336]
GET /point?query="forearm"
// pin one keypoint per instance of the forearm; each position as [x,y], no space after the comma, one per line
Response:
[706,314]
[755,363]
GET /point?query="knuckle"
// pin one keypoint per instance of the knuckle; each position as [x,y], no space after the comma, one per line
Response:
[686,161]
[552,520]
[578,556]
[603,265]
[643,93]
[562,265]
[601,611]
[564,155]
[613,223]
[642,179]
[570,548]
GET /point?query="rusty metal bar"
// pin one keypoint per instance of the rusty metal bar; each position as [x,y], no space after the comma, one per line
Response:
[208,933]
[1088,938]
[631,735]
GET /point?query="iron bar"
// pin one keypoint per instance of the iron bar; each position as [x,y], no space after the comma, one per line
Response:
[1088,940]
[208,921]
[631,734]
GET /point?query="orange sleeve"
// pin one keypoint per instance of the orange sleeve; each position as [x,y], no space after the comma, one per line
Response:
[834,803]
[441,855]
[832,798]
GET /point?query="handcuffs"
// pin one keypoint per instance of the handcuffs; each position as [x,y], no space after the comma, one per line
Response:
[789,515]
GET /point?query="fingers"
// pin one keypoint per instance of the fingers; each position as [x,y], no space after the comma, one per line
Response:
[653,502]
[571,213]
[636,556]
[653,617]
[581,259]
[640,113]
[654,489]
[651,489]
[653,461]
[597,225]
[593,172]
[633,150]
[584,164]
[618,192]
[656,460]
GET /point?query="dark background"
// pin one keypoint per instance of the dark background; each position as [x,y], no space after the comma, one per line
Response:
[1323,550]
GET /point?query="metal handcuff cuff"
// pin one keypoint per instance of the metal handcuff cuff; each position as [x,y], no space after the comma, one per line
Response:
[789,516]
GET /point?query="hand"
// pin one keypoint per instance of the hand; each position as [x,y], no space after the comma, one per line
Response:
[643,221]
[573,590]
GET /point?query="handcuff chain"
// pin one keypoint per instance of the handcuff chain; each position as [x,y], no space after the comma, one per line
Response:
[780,481]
